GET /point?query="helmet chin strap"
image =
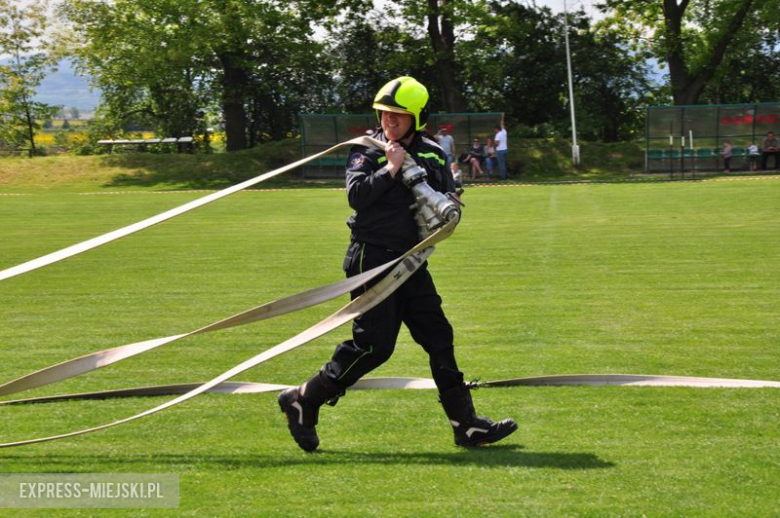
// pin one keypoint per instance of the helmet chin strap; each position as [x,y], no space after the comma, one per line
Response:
[403,139]
[409,133]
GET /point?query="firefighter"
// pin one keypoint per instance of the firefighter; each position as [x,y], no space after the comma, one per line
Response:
[383,227]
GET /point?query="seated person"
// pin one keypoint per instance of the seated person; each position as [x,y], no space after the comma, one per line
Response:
[754,153]
[457,177]
[771,147]
[476,156]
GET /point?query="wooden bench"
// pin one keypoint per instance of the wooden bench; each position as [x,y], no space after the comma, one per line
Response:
[16,151]
[700,159]
[183,144]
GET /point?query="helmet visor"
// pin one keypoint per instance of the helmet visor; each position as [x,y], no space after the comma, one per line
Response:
[394,109]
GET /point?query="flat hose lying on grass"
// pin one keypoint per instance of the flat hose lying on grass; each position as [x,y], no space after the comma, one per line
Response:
[246,387]
[403,268]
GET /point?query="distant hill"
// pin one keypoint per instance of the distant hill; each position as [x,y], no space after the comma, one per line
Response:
[65,88]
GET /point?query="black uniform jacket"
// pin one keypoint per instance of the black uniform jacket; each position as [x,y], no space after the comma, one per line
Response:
[384,206]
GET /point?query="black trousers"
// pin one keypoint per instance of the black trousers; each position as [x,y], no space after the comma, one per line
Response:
[415,304]
[765,159]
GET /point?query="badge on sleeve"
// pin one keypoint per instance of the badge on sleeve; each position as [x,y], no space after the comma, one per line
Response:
[356,160]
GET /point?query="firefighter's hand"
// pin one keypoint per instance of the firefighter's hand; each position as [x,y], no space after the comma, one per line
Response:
[395,154]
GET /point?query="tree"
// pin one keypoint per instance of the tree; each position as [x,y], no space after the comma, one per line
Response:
[516,63]
[174,59]
[357,81]
[691,37]
[753,73]
[256,64]
[484,55]
[142,56]
[610,84]
[413,38]
[20,32]
[269,65]
[441,33]
[384,54]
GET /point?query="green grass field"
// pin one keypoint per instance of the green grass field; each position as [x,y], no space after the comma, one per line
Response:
[651,278]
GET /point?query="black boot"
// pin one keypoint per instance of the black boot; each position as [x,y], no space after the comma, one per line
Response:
[469,429]
[302,405]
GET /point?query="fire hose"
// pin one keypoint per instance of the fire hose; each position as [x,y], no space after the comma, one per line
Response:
[437,216]
[439,227]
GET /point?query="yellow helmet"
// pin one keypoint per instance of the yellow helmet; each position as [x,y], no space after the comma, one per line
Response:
[404,95]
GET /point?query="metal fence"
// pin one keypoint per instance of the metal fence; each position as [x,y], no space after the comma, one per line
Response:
[688,139]
[319,132]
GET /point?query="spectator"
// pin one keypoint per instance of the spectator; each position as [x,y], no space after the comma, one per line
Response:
[726,156]
[447,143]
[501,148]
[753,152]
[770,147]
[457,177]
[476,157]
[490,156]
